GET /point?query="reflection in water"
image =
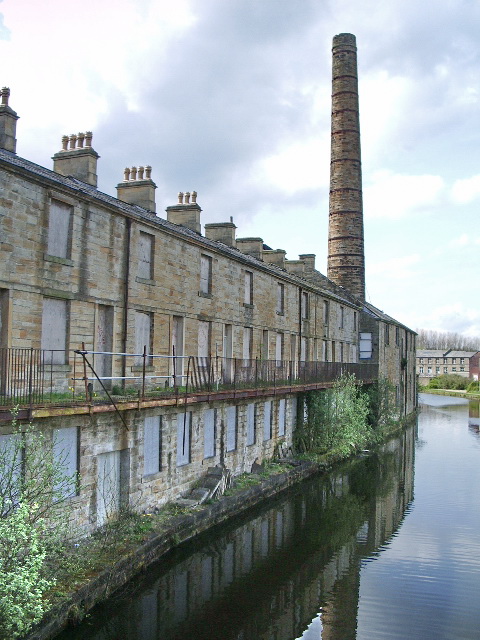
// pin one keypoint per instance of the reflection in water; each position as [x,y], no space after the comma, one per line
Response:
[285,571]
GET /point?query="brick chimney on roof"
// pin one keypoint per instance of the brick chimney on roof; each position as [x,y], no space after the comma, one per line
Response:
[8,123]
[77,158]
[346,260]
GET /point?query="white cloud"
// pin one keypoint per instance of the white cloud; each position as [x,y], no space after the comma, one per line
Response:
[395,268]
[404,194]
[301,165]
[452,317]
[466,190]
[465,240]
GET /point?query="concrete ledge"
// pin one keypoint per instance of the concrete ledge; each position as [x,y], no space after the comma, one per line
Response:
[181,529]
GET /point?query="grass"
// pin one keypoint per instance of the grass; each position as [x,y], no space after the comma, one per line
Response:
[77,563]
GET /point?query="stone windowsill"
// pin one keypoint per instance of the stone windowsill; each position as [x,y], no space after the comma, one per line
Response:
[150,477]
[203,294]
[247,305]
[145,281]
[65,261]
[280,313]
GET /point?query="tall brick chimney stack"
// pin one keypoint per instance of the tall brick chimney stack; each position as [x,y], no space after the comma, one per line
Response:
[346,259]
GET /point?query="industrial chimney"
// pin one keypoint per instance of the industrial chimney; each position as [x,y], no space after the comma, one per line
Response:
[346,260]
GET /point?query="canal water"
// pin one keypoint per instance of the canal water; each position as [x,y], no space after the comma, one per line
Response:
[385,547]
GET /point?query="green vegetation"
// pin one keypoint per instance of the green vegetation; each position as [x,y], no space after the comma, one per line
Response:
[345,418]
[473,387]
[33,525]
[448,381]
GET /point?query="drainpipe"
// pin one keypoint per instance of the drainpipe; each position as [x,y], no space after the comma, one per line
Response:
[126,297]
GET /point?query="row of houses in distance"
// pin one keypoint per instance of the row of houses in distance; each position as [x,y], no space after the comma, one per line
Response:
[436,362]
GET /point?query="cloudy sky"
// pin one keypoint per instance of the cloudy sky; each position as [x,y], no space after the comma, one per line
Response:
[232,98]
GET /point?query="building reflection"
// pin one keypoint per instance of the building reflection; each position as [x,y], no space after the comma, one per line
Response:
[270,577]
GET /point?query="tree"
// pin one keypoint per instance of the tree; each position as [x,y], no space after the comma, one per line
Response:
[34,516]
[430,339]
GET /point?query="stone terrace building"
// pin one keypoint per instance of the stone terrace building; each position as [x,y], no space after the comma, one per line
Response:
[436,362]
[82,270]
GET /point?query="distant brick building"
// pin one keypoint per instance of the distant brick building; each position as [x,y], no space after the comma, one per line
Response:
[152,303]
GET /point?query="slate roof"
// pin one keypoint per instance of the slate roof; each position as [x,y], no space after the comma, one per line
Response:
[315,279]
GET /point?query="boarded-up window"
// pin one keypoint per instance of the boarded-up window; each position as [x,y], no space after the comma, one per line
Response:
[205,274]
[203,339]
[209,433]
[248,287]
[365,345]
[3,318]
[325,351]
[293,347]
[247,344]
[251,423]
[152,445]
[145,255]
[326,312]
[281,417]
[184,423]
[334,351]
[65,452]
[280,297]
[293,413]
[59,222]
[279,348]
[231,428]
[267,420]
[108,485]
[303,349]
[143,330]
[265,344]
[54,330]
[304,305]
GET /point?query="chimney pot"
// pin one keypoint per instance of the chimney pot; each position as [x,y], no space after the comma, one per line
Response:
[148,172]
[180,197]
[80,140]
[64,143]
[72,140]
[133,173]
[8,123]
[140,172]
[126,174]
[187,197]
[88,139]
[5,95]
[194,197]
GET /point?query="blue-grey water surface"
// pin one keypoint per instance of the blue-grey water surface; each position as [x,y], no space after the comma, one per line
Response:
[385,547]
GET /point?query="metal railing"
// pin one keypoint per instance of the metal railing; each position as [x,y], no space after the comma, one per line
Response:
[34,376]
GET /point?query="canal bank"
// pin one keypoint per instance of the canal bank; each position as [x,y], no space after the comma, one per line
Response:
[180,526]
[454,393]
